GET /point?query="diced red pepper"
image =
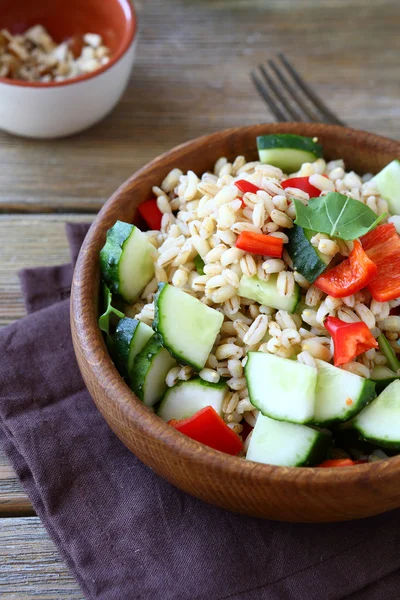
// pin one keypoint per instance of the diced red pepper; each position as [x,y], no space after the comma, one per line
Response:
[246,186]
[338,462]
[258,243]
[382,246]
[350,276]
[349,339]
[207,427]
[302,183]
[151,213]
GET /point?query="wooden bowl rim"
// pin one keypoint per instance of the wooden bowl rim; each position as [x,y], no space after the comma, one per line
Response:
[114,388]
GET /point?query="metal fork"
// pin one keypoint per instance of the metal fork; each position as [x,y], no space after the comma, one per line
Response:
[288,96]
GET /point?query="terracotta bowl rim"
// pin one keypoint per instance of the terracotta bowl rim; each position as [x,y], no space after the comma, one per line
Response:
[96,354]
[125,43]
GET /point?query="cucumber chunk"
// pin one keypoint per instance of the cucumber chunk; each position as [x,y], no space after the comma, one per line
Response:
[129,338]
[187,327]
[287,151]
[306,259]
[266,292]
[187,397]
[339,394]
[287,444]
[388,183]
[281,388]
[126,261]
[383,376]
[149,371]
[379,422]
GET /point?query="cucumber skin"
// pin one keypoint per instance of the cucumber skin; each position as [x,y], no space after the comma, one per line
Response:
[378,442]
[122,339]
[141,365]
[305,259]
[111,253]
[289,140]
[368,394]
[319,451]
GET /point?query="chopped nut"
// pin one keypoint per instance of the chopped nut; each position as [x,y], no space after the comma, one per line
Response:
[35,56]
[93,39]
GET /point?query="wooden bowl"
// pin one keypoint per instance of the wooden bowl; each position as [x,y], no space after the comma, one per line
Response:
[281,493]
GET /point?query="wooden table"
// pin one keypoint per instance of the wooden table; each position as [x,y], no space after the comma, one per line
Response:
[190,78]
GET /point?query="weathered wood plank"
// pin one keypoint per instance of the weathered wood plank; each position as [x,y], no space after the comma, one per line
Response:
[191,77]
[30,566]
[29,241]
[25,241]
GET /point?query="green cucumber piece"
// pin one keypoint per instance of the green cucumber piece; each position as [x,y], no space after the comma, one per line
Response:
[383,376]
[388,352]
[266,292]
[379,422]
[287,151]
[187,397]
[287,444]
[129,338]
[388,183]
[187,327]
[126,261]
[339,394]
[199,264]
[281,388]
[149,371]
[306,259]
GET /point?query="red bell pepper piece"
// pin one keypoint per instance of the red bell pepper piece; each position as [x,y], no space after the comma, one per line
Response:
[151,213]
[350,276]
[382,246]
[349,339]
[338,462]
[302,183]
[207,427]
[258,243]
[246,186]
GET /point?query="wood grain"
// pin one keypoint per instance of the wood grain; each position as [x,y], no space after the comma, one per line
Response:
[280,493]
[191,77]
[25,241]
[30,566]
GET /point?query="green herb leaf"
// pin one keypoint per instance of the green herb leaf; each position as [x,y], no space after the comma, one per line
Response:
[104,320]
[337,215]
[199,264]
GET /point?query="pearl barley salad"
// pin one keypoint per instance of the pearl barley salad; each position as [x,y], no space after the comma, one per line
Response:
[260,313]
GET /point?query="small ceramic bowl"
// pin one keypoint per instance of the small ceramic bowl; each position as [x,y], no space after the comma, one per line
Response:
[57,109]
[289,494]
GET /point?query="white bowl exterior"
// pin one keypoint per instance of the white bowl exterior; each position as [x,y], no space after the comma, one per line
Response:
[52,112]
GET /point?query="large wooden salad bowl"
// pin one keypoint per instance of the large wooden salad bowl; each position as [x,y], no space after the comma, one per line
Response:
[281,493]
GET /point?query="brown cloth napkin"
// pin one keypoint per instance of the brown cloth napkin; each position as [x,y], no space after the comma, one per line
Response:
[127,534]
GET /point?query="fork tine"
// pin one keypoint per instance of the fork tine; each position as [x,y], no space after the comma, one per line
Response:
[262,90]
[323,109]
[278,93]
[293,92]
